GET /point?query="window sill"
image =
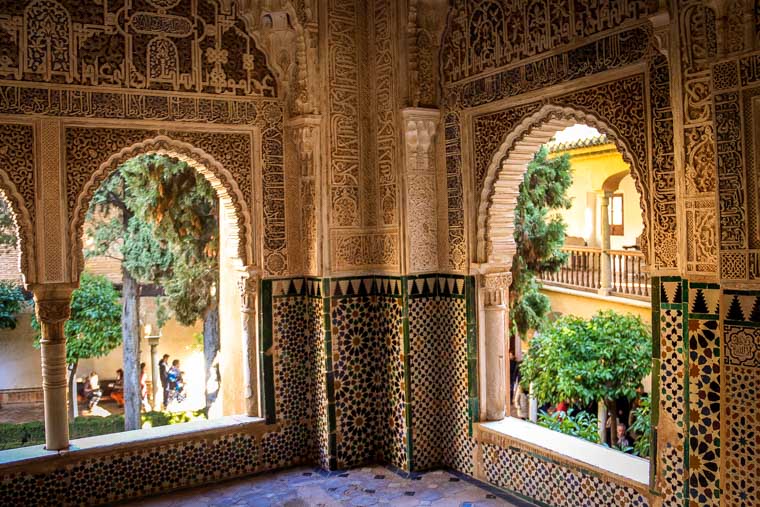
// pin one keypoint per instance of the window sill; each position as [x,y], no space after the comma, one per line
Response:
[629,467]
[155,436]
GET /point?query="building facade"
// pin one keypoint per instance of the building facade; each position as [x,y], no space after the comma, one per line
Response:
[367,156]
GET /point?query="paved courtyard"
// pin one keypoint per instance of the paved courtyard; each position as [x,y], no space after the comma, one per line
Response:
[360,487]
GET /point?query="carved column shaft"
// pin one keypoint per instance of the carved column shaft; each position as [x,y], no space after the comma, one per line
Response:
[495,299]
[52,312]
[420,127]
[248,285]
[306,135]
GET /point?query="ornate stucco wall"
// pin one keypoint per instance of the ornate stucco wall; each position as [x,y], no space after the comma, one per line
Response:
[329,122]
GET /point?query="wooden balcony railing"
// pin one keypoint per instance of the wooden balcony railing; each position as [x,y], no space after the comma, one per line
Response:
[628,276]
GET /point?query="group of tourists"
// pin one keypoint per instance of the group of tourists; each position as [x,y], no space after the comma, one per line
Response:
[172,384]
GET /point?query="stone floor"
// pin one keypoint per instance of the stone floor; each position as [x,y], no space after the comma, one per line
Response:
[360,487]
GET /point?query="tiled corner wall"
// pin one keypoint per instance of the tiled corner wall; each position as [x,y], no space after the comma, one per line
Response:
[367,342]
[441,362]
[741,398]
[533,475]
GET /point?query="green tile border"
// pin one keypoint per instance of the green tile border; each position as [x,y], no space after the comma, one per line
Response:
[266,360]
[472,354]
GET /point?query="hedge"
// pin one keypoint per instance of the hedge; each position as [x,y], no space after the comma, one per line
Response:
[13,436]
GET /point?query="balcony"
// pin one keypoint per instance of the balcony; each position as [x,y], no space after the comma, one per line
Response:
[627,274]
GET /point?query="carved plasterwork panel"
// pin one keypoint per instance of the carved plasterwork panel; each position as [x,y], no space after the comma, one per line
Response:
[354,250]
[617,108]
[698,46]
[486,34]
[737,128]
[92,154]
[17,180]
[362,130]
[141,45]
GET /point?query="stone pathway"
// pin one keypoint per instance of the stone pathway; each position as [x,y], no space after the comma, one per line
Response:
[360,487]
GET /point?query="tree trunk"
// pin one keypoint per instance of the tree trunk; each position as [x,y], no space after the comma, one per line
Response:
[612,416]
[73,405]
[602,421]
[211,348]
[130,332]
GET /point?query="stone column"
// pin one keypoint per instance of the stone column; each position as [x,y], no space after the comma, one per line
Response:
[52,306]
[495,301]
[248,286]
[419,190]
[606,266]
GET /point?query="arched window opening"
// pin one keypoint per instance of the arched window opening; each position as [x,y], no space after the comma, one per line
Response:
[576,299]
[20,371]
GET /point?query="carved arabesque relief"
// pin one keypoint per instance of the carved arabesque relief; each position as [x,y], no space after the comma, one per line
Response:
[504,174]
[146,61]
[488,34]
[362,128]
[737,107]
[136,45]
[17,180]
[102,145]
[699,45]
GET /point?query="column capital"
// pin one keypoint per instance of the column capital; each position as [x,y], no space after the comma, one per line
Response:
[304,129]
[496,286]
[248,285]
[52,302]
[420,125]
[661,24]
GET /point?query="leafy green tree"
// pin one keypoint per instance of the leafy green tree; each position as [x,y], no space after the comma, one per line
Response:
[11,299]
[8,230]
[182,207]
[114,231]
[584,361]
[94,328]
[539,236]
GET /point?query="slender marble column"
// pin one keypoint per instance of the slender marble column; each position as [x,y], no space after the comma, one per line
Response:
[248,286]
[53,307]
[495,300]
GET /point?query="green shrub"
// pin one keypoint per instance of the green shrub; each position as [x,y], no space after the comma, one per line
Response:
[11,299]
[13,436]
[580,424]
[642,428]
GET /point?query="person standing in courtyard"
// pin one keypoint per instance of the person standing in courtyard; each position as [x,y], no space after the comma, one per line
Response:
[163,372]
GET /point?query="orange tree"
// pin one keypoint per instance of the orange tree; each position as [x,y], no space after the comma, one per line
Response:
[578,360]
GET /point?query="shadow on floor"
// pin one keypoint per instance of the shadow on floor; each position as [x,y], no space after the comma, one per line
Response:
[367,486]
